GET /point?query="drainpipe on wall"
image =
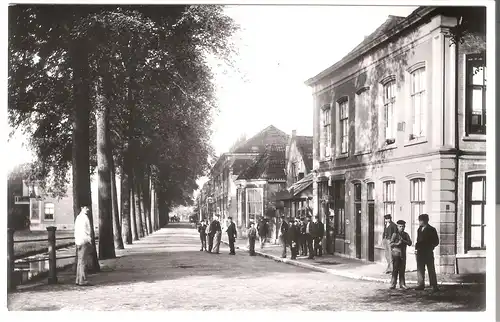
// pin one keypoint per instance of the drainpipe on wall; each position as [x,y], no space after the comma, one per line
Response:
[457,138]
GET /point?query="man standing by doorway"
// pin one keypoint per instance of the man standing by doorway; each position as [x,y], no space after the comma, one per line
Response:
[319,232]
[331,234]
[231,235]
[283,235]
[427,240]
[390,228]
[310,237]
[83,242]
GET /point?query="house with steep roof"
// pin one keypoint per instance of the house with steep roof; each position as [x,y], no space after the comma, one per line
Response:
[399,129]
[242,181]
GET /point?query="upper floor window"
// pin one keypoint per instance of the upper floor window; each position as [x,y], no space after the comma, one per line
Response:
[389,102]
[327,130]
[475,205]
[417,91]
[370,191]
[475,95]
[344,125]
[49,211]
[363,121]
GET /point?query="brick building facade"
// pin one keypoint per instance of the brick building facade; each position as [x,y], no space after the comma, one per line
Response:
[399,128]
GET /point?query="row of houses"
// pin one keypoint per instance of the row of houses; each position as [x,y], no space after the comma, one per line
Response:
[399,127]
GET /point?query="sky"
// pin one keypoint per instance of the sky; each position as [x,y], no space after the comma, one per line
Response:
[280,47]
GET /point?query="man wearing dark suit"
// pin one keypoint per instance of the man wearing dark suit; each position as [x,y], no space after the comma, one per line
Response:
[389,229]
[283,235]
[203,236]
[215,229]
[310,232]
[231,235]
[427,240]
[319,232]
[262,230]
[293,237]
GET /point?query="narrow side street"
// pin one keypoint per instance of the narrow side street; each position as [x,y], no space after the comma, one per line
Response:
[166,271]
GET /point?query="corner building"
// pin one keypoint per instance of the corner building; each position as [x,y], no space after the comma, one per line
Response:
[399,128]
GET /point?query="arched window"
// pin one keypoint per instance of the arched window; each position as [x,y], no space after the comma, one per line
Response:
[418,104]
[417,202]
[389,197]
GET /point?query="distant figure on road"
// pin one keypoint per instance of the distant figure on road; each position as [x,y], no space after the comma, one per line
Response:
[293,237]
[83,242]
[399,241]
[216,231]
[232,234]
[389,229]
[252,236]
[203,235]
[319,232]
[262,227]
[310,231]
[283,235]
[427,240]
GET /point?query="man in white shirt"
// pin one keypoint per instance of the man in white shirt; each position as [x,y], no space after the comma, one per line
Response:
[83,242]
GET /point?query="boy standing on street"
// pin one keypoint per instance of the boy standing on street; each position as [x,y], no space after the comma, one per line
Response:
[252,236]
[399,241]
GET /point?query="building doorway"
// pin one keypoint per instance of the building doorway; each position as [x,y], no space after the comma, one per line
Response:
[358,216]
[371,222]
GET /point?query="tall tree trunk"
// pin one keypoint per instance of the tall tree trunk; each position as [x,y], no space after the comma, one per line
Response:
[135,231]
[137,199]
[106,240]
[142,206]
[117,229]
[153,206]
[81,138]
[147,202]
[125,199]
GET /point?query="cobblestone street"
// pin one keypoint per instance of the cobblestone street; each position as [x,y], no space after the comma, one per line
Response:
[166,271]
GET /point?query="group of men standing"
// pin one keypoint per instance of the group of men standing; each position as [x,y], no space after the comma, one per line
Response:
[302,236]
[213,232]
[396,240]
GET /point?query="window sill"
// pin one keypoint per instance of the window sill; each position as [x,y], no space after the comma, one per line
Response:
[342,156]
[388,147]
[474,138]
[417,141]
[362,153]
[473,254]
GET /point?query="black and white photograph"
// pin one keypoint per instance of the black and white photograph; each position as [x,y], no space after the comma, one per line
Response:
[249,157]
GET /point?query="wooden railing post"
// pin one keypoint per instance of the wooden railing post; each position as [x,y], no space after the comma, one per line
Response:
[52,255]
[11,285]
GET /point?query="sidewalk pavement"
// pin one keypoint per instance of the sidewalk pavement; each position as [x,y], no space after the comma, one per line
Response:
[352,268]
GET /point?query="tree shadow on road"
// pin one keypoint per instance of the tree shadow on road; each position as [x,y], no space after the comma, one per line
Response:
[460,298]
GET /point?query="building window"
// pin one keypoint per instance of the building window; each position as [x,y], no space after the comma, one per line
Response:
[344,125]
[476,94]
[417,90]
[389,101]
[370,193]
[254,204]
[339,206]
[295,171]
[49,211]
[475,218]
[363,121]
[417,203]
[389,198]
[327,130]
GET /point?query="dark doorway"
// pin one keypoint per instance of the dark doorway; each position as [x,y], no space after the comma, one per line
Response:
[371,222]
[357,213]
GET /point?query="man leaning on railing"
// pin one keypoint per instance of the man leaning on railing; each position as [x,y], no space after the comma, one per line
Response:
[83,242]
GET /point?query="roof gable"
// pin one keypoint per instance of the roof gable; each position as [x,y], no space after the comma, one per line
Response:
[269,165]
[305,147]
[268,136]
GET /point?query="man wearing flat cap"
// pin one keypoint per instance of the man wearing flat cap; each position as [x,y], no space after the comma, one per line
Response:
[389,229]
[283,235]
[310,233]
[399,241]
[427,240]
[293,237]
